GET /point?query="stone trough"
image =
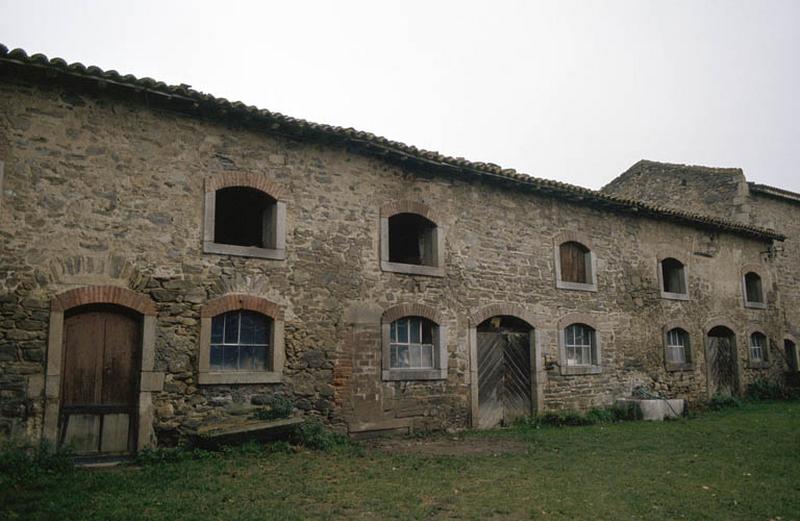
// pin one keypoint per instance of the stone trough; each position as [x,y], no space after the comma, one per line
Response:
[220,434]
[656,409]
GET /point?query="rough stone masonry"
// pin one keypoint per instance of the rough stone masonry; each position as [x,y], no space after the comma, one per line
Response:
[106,185]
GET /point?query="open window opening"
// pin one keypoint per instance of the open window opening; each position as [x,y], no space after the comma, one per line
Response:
[673,276]
[753,290]
[412,240]
[245,217]
[576,265]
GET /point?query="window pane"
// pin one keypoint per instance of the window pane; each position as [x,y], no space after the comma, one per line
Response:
[393,332]
[427,331]
[260,358]
[230,358]
[216,357]
[414,352]
[246,358]
[416,330]
[402,356]
[402,331]
[254,328]
[232,327]
[217,328]
[393,355]
[426,360]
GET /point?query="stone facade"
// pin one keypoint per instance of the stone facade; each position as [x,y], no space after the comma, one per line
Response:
[104,187]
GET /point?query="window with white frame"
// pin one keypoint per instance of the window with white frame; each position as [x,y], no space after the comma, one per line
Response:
[580,345]
[411,343]
[678,351]
[758,347]
[240,341]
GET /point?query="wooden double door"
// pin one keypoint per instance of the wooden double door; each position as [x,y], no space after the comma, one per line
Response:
[721,358]
[99,389]
[504,371]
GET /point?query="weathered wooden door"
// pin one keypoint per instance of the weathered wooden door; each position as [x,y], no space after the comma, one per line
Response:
[504,376]
[721,358]
[99,382]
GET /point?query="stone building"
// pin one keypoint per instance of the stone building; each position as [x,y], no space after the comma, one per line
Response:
[171,260]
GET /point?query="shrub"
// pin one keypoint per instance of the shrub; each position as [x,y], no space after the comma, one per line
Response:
[313,434]
[763,389]
[719,402]
[277,407]
[160,455]
[22,463]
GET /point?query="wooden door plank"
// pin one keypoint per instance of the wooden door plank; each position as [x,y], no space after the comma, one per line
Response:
[517,376]
[116,430]
[82,371]
[82,433]
[490,380]
[119,359]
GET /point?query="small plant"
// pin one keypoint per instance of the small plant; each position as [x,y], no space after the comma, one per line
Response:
[312,434]
[24,463]
[763,389]
[278,407]
[161,455]
[719,402]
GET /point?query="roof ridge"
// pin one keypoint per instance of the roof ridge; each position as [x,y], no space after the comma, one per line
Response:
[371,141]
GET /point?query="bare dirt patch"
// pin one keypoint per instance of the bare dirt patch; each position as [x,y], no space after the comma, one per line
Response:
[451,446]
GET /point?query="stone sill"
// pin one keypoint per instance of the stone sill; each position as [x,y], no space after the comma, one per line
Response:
[244,251]
[580,369]
[396,375]
[671,367]
[239,377]
[412,269]
[755,305]
[674,296]
[576,286]
[758,365]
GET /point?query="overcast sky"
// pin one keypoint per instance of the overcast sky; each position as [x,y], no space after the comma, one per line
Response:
[573,91]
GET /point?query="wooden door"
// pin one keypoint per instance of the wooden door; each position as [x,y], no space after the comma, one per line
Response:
[722,365]
[504,377]
[99,382]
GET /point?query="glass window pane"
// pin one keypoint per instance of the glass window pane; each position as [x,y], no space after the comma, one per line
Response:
[416,330]
[427,331]
[414,355]
[232,327]
[402,331]
[393,332]
[230,358]
[216,357]
[426,359]
[217,328]
[260,358]
[246,358]
[393,362]
[402,356]
[254,328]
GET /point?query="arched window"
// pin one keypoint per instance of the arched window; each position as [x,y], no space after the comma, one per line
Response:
[240,341]
[411,343]
[412,241]
[753,290]
[414,344]
[575,263]
[758,347]
[672,274]
[679,351]
[581,345]
[244,215]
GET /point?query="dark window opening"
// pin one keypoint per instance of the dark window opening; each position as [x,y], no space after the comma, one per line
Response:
[245,217]
[791,354]
[412,239]
[752,287]
[575,263]
[673,276]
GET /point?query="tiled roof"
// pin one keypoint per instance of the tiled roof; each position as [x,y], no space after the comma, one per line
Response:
[191,100]
[774,192]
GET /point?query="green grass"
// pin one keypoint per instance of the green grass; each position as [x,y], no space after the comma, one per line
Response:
[741,463]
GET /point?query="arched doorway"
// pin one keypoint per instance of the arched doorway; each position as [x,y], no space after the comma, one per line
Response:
[721,358]
[101,356]
[505,354]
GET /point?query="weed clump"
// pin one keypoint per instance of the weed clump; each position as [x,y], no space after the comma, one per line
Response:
[24,463]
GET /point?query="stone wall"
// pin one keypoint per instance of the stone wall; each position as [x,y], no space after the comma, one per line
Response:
[99,189]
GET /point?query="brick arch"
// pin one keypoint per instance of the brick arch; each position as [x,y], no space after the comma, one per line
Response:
[493,310]
[411,310]
[578,318]
[104,295]
[237,301]
[415,207]
[573,236]
[248,179]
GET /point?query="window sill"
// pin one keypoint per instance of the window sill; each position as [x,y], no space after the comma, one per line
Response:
[755,305]
[239,377]
[758,365]
[673,367]
[674,296]
[569,370]
[244,251]
[396,375]
[412,269]
[576,286]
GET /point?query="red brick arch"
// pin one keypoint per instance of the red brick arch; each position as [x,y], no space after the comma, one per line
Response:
[104,295]
[236,301]
[248,179]
[411,310]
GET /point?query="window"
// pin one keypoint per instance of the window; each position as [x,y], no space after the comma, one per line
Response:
[411,240]
[575,266]
[414,344]
[672,274]
[753,291]
[411,343]
[790,349]
[678,350]
[245,216]
[580,349]
[758,348]
[240,341]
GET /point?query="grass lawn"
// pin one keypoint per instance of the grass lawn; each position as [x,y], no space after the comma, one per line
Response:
[736,464]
